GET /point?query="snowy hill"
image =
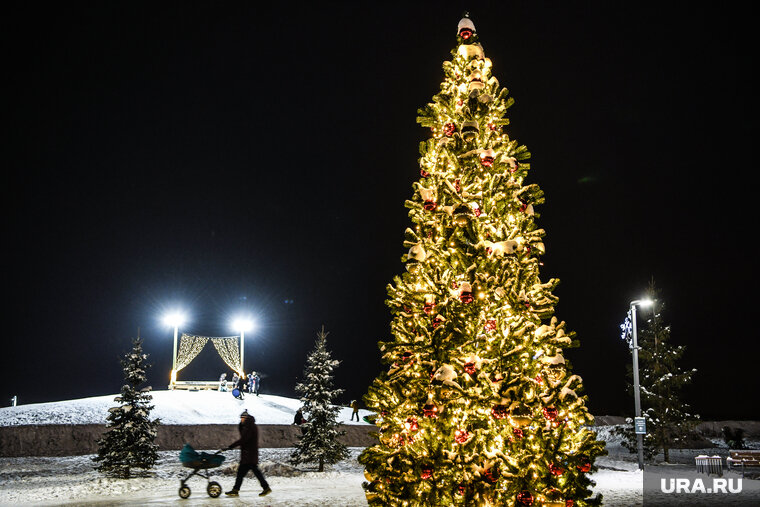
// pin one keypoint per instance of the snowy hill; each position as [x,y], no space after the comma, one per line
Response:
[172,407]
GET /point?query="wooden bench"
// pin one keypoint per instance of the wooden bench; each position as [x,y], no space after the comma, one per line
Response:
[744,458]
[196,385]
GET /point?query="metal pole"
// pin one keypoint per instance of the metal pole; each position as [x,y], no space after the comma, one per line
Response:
[174,359]
[636,394]
[242,350]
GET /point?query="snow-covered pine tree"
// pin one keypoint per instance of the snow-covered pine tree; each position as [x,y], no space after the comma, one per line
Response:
[129,439]
[668,417]
[319,442]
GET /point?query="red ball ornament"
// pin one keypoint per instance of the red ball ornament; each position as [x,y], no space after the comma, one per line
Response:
[465,33]
[470,368]
[412,424]
[461,436]
[525,498]
[490,325]
[426,472]
[424,173]
[476,210]
[518,432]
[499,411]
[429,205]
[585,465]
[466,297]
[550,413]
[487,161]
[569,503]
[556,469]
[449,129]
[428,307]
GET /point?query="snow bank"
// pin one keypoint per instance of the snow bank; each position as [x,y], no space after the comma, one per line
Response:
[172,407]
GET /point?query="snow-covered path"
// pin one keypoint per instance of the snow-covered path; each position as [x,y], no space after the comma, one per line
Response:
[73,481]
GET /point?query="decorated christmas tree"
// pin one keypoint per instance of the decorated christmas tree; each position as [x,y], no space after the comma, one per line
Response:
[129,439]
[478,406]
[319,442]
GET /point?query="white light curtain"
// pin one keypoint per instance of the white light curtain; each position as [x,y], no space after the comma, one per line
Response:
[229,350]
[189,347]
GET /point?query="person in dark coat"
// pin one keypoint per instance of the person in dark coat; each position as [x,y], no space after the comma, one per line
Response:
[299,419]
[249,454]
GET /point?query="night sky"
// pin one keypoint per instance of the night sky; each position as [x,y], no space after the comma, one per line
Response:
[222,157]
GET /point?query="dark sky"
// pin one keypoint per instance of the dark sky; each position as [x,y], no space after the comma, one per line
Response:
[224,156]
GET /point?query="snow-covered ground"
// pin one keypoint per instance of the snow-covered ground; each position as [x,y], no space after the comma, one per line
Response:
[74,481]
[172,407]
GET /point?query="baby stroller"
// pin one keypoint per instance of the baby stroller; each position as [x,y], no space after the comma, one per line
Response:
[199,461]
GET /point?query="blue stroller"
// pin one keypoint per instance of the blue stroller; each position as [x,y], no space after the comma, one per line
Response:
[199,461]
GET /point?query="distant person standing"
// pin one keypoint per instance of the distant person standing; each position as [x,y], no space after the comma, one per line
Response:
[299,419]
[355,405]
[250,383]
[256,383]
[249,454]
[223,382]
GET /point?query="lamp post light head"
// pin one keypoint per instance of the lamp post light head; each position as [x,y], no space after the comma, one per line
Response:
[242,324]
[643,303]
[175,319]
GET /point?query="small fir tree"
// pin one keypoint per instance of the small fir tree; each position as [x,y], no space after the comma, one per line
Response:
[319,441]
[668,418]
[129,439]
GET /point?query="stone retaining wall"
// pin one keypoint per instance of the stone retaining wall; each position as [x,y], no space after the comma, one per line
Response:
[78,439]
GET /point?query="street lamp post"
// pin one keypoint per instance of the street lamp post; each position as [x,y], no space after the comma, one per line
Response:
[242,325]
[636,390]
[174,320]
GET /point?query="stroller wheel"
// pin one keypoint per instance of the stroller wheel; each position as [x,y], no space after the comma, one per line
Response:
[184,492]
[214,489]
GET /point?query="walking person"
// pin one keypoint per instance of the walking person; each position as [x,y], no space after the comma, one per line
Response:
[249,454]
[355,405]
